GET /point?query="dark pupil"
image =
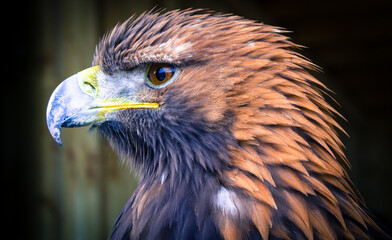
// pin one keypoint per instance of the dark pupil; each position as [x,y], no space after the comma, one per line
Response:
[160,74]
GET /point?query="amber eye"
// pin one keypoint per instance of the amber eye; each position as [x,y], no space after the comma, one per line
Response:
[160,73]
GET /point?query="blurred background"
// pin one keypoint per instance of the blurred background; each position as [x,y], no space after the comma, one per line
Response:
[76,191]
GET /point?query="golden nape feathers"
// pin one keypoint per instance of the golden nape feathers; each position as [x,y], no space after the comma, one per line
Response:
[240,144]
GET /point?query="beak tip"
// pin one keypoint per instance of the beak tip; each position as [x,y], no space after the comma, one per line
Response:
[58,140]
[55,132]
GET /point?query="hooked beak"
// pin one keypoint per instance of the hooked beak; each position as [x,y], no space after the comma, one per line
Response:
[75,103]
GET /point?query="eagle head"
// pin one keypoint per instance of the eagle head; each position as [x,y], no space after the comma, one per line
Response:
[231,135]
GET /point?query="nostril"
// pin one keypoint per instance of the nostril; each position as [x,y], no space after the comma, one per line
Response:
[87,80]
[89,86]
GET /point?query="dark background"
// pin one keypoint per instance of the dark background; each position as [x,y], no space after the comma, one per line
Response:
[75,192]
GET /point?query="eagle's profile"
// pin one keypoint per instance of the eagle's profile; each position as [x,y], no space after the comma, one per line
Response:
[231,135]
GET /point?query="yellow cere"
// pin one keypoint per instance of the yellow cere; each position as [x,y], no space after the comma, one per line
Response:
[87,80]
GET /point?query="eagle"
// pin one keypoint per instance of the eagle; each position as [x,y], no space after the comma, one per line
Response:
[231,136]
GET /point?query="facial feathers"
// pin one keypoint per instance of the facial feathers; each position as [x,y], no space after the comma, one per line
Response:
[243,145]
